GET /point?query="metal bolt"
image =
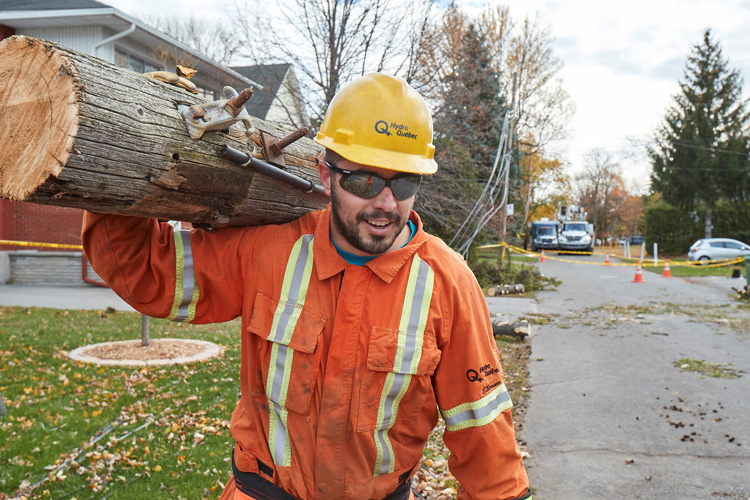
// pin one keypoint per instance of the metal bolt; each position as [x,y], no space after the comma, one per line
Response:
[277,146]
[236,104]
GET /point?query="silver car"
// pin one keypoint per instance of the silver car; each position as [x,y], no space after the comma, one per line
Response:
[717,249]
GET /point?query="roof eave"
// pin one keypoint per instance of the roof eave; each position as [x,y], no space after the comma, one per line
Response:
[84,13]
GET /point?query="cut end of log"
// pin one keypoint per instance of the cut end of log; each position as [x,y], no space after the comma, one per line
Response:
[39,118]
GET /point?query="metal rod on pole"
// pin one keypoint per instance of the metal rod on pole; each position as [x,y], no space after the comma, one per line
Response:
[245,160]
[144,330]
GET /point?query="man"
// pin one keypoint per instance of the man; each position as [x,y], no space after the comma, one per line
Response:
[357,326]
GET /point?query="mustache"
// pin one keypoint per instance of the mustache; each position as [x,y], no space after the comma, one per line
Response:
[379,214]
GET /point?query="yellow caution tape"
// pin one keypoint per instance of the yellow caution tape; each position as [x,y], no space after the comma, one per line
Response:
[660,262]
[38,244]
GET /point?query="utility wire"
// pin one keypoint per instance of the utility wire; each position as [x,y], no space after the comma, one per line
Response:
[486,206]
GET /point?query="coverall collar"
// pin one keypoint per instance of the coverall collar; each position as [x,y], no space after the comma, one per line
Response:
[329,263]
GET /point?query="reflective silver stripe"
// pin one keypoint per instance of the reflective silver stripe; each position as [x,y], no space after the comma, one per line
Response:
[293,295]
[414,314]
[187,292]
[291,288]
[478,413]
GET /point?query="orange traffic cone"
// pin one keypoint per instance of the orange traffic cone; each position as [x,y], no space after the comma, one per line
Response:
[667,273]
[542,259]
[638,274]
[606,260]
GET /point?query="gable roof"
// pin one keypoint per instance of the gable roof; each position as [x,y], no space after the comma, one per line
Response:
[270,76]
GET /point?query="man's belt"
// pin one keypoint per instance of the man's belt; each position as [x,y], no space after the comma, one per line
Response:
[255,486]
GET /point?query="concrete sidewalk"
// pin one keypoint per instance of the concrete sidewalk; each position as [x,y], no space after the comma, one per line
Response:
[58,297]
[94,297]
[612,413]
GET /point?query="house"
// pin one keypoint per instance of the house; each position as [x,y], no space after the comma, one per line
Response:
[95,28]
[280,99]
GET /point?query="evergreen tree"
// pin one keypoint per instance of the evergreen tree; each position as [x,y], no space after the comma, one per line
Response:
[700,152]
[467,128]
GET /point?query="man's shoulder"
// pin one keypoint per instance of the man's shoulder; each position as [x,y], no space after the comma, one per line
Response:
[273,235]
[435,249]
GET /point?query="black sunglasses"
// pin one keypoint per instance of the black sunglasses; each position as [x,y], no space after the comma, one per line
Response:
[368,185]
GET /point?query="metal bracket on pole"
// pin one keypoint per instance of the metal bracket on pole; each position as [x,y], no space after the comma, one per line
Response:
[217,115]
[273,147]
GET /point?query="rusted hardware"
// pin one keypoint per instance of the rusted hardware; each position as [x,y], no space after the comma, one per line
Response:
[273,147]
[245,160]
[217,115]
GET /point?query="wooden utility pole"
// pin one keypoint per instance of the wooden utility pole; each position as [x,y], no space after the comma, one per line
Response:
[80,132]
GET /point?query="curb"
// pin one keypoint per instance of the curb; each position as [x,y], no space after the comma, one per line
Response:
[210,350]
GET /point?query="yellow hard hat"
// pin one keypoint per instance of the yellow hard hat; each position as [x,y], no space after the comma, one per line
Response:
[380,121]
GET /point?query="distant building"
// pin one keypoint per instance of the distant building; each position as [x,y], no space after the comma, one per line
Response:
[93,28]
[280,100]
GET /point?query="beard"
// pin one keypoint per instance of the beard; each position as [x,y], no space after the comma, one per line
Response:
[352,231]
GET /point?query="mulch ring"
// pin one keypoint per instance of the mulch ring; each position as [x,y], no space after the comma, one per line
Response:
[159,352]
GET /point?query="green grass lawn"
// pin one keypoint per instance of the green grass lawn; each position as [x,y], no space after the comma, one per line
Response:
[82,431]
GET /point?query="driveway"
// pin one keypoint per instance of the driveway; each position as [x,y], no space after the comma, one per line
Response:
[613,412]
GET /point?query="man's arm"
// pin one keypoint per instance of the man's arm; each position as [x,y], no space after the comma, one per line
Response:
[190,276]
[475,404]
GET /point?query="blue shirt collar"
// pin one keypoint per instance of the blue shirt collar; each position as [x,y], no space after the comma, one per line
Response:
[361,260]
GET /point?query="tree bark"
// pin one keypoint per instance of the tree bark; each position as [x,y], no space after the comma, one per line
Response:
[80,132]
[707,222]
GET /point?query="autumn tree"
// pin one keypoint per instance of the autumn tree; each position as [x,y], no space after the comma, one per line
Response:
[597,185]
[213,39]
[546,184]
[544,106]
[523,57]
[332,42]
[700,152]
[468,122]
[628,216]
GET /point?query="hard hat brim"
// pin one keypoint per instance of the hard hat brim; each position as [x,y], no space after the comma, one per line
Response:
[374,157]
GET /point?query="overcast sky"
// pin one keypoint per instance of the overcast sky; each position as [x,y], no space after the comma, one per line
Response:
[622,59]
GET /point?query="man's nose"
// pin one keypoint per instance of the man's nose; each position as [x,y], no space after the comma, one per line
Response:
[385,200]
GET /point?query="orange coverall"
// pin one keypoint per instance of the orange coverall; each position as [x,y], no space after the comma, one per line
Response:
[344,367]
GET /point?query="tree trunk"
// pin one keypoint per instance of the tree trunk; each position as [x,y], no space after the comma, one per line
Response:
[80,132]
[708,225]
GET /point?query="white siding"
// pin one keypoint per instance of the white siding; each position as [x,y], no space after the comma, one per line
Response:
[80,38]
[286,104]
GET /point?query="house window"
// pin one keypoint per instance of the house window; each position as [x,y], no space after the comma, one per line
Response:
[129,61]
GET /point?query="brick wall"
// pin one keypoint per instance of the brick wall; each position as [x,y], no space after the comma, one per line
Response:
[22,221]
[6,31]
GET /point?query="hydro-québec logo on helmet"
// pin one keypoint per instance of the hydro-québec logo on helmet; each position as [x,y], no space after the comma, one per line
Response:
[383,127]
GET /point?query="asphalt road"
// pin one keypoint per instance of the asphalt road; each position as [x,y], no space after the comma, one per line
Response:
[610,415]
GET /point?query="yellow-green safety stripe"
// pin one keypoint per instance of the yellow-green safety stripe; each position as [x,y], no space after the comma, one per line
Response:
[478,413]
[293,294]
[186,292]
[411,328]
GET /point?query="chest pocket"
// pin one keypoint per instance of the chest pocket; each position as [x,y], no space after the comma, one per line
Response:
[286,350]
[400,360]
[397,379]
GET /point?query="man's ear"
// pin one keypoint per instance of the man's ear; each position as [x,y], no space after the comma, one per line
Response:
[325,173]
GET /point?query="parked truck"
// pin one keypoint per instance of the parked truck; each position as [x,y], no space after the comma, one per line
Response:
[544,234]
[575,233]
